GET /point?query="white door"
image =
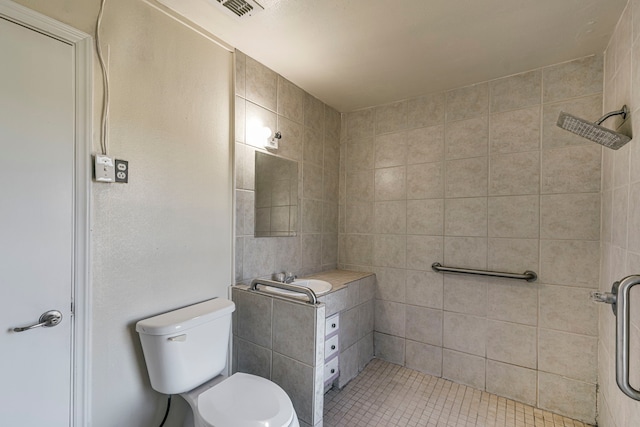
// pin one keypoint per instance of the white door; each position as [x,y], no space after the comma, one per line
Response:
[36,225]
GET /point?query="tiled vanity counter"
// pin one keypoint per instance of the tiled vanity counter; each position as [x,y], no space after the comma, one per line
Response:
[283,339]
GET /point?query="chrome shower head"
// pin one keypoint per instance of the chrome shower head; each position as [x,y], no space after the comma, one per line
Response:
[593,131]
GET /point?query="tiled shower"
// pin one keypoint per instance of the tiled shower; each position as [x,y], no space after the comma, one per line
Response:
[478,177]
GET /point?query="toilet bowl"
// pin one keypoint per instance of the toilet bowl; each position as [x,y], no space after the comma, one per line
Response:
[241,400]
[186,352]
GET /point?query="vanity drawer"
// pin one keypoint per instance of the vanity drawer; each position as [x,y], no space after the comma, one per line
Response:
[331,369]
[332,324]
[331,347]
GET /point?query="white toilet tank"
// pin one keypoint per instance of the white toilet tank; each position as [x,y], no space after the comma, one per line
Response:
[187,347]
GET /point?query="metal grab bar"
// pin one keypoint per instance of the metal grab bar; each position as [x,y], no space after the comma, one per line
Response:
[529,276]
[619,300]
[313,299]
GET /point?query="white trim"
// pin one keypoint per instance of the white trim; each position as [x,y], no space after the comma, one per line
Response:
[83,56]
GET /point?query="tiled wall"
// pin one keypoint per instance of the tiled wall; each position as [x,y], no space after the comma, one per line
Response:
[482,177]
[282,341]
[311,136]
[620,232]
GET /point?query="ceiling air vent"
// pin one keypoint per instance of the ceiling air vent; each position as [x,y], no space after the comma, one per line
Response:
[240,9]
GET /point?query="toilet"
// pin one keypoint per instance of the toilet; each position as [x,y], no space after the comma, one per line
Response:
[186,352]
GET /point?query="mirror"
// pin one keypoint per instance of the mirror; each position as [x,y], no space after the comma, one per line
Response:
[276,197]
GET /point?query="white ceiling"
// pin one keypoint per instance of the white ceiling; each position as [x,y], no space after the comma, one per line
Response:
[359,53]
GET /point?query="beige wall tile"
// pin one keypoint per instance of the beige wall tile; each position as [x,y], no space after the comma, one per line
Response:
[466,333]
[390,217]
[570,355]
[297,380]
[332,123]
[329,250]
[312,216]
[240,65]
[391,150]
[425,145]
[312,181]
[572,79]
[588,108]
[465,252]
[424,325]
[389,251]
[515,131]
[313,146]
[291,144]
[571,169]
[290,100]
[390,318]
[358,249]
[422,251]
[570,216]
[467,102]
[360,155]
[261,84]
[619,220]
[360,124]
[518,91]
[568,309]
[466,217]
[391,117]
[424,358]
[634,217]
[512,343]
[463,368]
[514,174]
[313,113]
[514,216]
[466,177]
[360,186]
[513,301]
[390,284]
[576,399]
[465,294]
[513,255]
[360,217]
[240,119]
[425,288]
[311,251]
[348,329]
[425,111]
[425,181]
[390,183]
[294,331]
[425,216]
[569,262]
[389,348]
[466,138]
[254,317]
[513,382]
[253,359]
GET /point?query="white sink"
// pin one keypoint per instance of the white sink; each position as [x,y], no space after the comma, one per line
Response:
[320,287]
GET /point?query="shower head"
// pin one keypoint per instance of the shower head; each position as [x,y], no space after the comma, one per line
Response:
[593,131]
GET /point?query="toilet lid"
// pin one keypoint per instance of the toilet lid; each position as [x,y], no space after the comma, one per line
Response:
[244,400]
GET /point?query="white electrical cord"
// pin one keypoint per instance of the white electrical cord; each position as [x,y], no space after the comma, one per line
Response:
[104,136]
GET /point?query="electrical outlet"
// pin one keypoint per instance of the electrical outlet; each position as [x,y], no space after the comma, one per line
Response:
[122,171]
[104,169]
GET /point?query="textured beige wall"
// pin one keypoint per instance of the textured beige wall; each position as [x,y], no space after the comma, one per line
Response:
[481,177]
[620,218]
[311,136]
[164,239]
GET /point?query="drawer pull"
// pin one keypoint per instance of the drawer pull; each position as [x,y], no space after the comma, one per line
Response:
[333,347]
[333,325]
[333,371]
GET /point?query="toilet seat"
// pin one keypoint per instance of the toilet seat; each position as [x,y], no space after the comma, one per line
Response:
[244,400]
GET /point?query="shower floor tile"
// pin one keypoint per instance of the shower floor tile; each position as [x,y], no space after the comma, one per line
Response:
[388,395]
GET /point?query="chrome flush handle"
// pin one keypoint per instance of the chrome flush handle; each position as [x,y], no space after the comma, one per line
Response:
[47,320]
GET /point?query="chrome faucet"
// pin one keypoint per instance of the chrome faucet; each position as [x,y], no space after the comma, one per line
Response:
[289,277]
